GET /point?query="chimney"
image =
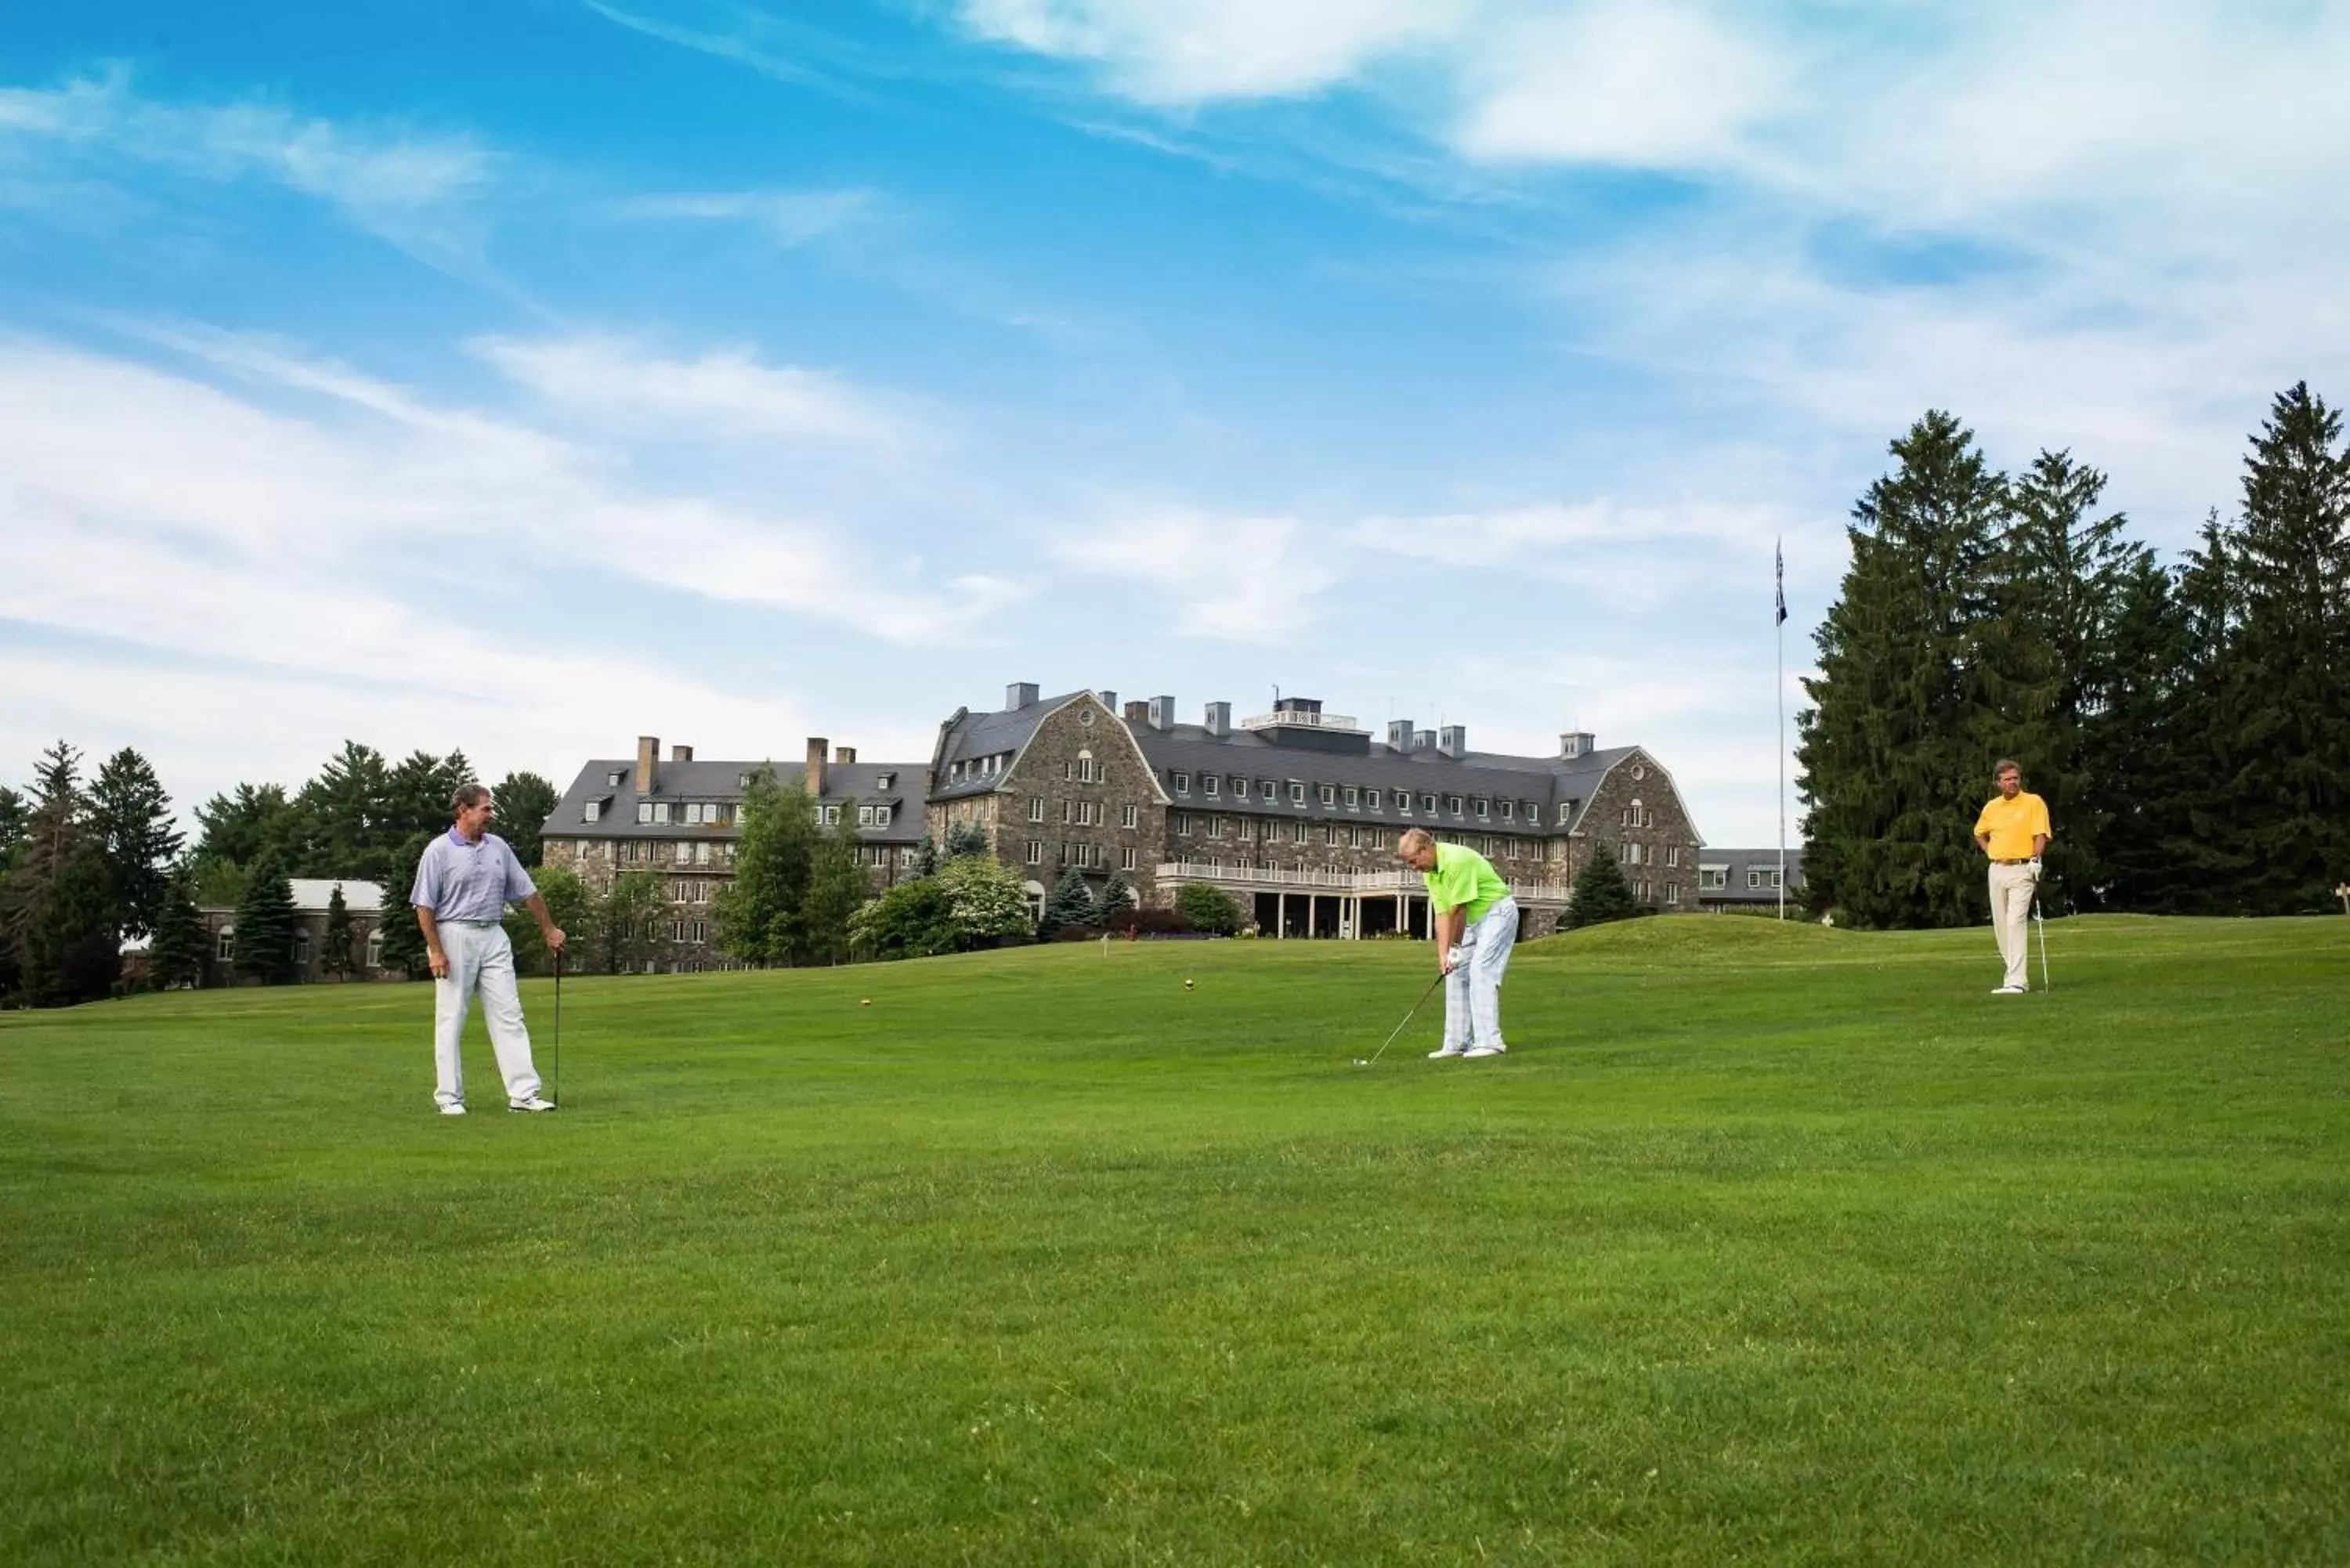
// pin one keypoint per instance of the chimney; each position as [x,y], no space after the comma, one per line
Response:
[1137,711]
[1399,734]
[1575,744]
[1423,739]
[817,748]
[648,762]
[842,756]
[1453,741]
[1162,714]
[1018,695]
[680,753]
[1220,719]
[1108,699]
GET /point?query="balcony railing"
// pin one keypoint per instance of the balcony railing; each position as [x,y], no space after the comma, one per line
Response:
[1329,881]
[1290,718]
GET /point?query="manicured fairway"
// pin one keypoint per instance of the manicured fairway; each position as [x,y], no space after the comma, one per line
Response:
[1768,1245]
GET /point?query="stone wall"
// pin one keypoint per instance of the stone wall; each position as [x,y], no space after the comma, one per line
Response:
[1068,800]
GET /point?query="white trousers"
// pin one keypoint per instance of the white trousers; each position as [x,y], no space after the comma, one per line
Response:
[2012,887]
[1472,992]
[480,958]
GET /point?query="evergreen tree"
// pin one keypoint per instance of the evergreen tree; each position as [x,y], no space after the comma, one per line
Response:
[2134,747]
[2069,575]
[985,899]
[1072,904]
[2290,735]
[342,821]
[57,923]
[1114,896]
[267,923]
[837,888]
[1208,908]
[14,812]
[238,826]
[419,791]
[926,857]
[1926,676]
[1600,893]
[2210,858]
[336,959]
[182,952]
[631,927]
[966,838]
[404,953]
[130,818]
[762,913]
[525,801]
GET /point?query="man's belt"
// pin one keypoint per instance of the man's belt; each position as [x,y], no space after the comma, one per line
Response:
[2026,860]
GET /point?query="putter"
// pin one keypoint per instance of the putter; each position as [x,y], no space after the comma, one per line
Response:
[556,1082]
[2041,920]
[1365,1062]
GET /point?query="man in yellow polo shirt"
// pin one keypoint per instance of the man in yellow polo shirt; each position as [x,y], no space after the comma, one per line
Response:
[1474,922]
[2014,832]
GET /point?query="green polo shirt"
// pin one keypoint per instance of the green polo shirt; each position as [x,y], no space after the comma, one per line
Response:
[1463,877]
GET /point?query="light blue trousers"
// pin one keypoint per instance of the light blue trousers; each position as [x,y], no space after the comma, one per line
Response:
[1472,992]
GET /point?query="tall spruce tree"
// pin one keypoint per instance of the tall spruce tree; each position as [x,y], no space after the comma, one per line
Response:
[180,951]
[2209,856]
[2133,748]
[267,923]
[15,810]
[1927,673]
[404,952]
[526,800]
[131,819]
[343,819]
[2069,573]
[57,921]
[966,838]
[336,959]
[1600,893]
[1114,897]
[2290,735]
[1071,904]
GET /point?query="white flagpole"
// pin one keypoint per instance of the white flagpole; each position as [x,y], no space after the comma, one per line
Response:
[1779,630]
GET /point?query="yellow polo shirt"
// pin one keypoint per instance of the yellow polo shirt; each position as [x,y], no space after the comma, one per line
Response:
[2013,823]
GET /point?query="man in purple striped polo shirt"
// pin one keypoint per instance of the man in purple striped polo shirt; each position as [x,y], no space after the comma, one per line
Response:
[464,883]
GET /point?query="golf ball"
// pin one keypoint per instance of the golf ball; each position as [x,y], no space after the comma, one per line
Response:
[864,1002]
[1187,986]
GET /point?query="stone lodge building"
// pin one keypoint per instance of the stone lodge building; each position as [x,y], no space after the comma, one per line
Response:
[1293,813]
[362,901]
[1748,881]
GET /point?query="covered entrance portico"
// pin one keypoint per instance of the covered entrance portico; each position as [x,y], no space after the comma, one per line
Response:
[1334,905]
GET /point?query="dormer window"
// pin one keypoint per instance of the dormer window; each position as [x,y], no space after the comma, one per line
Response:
[1182,782]
[1240,788]
[1209,784]
[1297,793]
[592,812]
[612,780]
[1329,794]
[885,781]
[1484,807]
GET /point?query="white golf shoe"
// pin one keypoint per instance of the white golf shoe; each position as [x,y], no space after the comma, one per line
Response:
[1476,1052]
[2008,991]
[533,1104]
[1443,1052]
[454,1109]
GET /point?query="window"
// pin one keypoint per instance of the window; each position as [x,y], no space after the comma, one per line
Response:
[1084,715]
[1354,798]
[612,781]
[1762,877]
[1673,856]
[1428,805]
[1672,892]
[1209,784]
[301,949]
[375,949]
[1329,835]
[1644,892]
[742,781]
[1126,859]
[1452,805]
[1240,787]
[1627,853]
[592,812]
[1483,808]
[1376,799]
[1639,772]
[1712,878]
[1035,852]
[1182,782]
[1268,792]
[1182,824]
[1068,770]
[1299,829]
[1090,773]
[1637,816]
[1565,812]
[832,816]
[885,781]
[1036,808]
[1329,794]
[1297,793]
[1403,802]
[1509,810]
[644,811]
[1068,812]
[1245,830]
[1131,816]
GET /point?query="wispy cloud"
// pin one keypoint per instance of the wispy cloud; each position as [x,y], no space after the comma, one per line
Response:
[1244,579]
[417,189]
[788,218]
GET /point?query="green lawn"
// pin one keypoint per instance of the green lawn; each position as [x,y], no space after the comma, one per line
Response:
[1764,1244]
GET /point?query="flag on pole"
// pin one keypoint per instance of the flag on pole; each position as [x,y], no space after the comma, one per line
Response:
[1779,568]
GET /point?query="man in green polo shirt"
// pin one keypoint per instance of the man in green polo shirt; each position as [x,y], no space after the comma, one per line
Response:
[1474,922]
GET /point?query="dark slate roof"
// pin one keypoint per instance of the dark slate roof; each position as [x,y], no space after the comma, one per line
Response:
[846,783]
[1546,781]
[985,734]
[1740,861]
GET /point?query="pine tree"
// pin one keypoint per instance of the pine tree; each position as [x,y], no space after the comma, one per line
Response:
[926,857]
[2068,575]
[966,838]
[525,802]
[1600,893]
[1114,896]
[14,812]
[2209,856]
[265,924]
[342,821]
[2132,747]
[761,912]
[336,959]
[1072,904]
[1917,679]
[57,921]
[2291,738]
[404,953]
[182,952]
[130,818]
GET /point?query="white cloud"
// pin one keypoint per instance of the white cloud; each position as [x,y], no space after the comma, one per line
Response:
[1247,579]
[789,218]
[1515,534]
[727,391]
[415,188]
[1210,49]
[1638,84]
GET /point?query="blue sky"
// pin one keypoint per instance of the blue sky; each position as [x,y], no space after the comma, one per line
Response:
[526,377]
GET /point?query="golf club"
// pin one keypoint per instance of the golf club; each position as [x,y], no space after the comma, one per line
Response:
[2041,920]
[1365,1062]
[556,1081]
